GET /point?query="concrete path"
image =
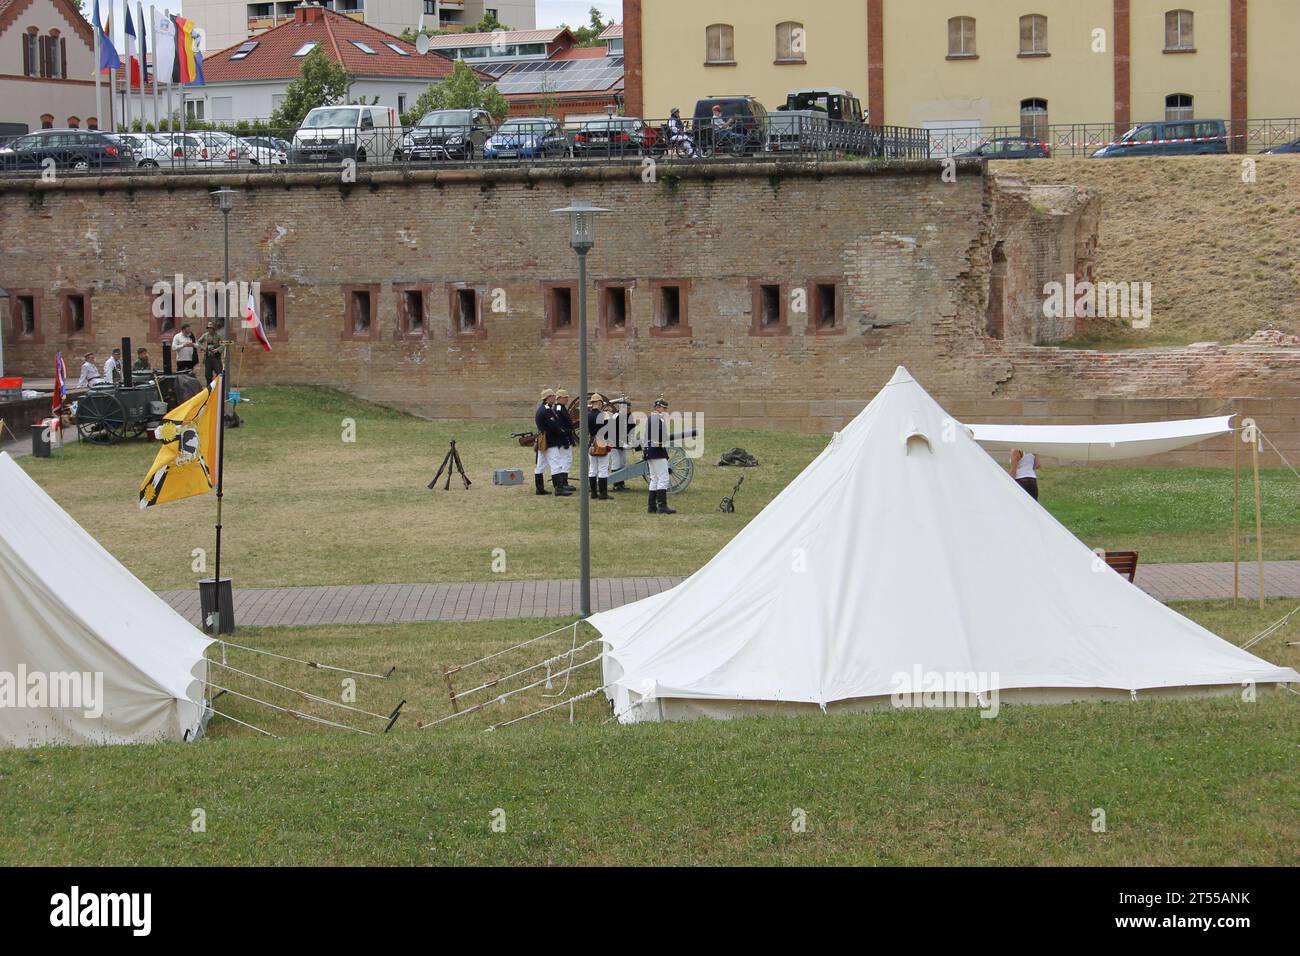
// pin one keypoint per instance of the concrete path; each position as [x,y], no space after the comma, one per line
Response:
[503,600]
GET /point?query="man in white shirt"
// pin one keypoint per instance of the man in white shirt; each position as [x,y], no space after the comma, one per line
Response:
[184,349]
[113,367]
[89,372]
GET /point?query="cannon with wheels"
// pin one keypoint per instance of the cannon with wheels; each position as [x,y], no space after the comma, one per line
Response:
[108,414]
[681,469]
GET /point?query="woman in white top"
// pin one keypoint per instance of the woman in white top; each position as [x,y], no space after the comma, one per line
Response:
[1024,468]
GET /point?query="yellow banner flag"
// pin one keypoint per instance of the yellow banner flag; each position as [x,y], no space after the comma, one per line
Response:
[186,464]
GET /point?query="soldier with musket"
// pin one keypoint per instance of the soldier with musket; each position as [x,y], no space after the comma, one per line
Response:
[539,442]
[655,451]
[558,428]
[598,452]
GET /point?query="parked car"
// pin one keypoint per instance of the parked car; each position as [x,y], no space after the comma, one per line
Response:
[224,149]
[1009,147]
[534,137]
[330,134]
[186,149]
[1170,138]
[69,149]
[615,136]
[1291,147]
[447,134]
[267,150]
[747,131]
[148,154]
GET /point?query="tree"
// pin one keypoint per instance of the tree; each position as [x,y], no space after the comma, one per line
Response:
[460,91]
[320,82]
[590,34]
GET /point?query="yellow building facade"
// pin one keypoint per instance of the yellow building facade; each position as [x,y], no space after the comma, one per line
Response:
[974,63]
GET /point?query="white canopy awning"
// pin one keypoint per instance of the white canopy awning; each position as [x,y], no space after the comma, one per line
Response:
[1100,442]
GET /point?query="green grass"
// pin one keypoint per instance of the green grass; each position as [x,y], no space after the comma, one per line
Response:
[1202,782]
[305,507]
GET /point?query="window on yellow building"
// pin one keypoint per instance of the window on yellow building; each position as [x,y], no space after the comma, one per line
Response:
[1178,106]
[1033,35]
[1033,119]
[720,43]
[961,36]
[791,42]
[1178,30]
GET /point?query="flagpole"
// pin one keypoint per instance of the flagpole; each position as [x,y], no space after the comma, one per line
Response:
[140,44]
[99,80]
[153,45]
[225,199]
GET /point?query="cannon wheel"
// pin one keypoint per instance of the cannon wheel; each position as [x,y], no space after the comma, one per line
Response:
[681,469]
[101,419]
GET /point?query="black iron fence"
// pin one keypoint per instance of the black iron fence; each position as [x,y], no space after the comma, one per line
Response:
[780,136]
[1084,139]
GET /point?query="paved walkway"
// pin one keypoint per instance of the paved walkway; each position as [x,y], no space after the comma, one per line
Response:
[502,600]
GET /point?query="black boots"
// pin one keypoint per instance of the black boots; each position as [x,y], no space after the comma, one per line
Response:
[602,486]
[662,500]
[561,483]
[591,488]
[539,481]
[619,486]
[652,504]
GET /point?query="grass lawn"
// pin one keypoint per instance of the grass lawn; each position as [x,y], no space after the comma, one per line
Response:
[1187,782]
[305,507]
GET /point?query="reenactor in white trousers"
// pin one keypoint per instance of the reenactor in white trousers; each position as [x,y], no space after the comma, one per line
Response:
[599,449]
[560,438]
[539,443]
[655,450]
[619,423]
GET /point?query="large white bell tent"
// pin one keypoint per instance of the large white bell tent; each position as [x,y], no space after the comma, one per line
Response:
[88,654]
[901,555]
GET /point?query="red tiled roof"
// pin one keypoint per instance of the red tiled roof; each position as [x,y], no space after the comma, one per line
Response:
[613,30]
[273,57]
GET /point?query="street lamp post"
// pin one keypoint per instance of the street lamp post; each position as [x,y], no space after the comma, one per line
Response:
[582,236]
[225,198]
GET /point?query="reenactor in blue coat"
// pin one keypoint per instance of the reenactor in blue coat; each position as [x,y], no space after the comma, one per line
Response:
[655,452]
[559,431]
[539,443]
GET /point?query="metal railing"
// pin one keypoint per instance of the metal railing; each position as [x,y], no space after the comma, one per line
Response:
[598,140]
[1084,139]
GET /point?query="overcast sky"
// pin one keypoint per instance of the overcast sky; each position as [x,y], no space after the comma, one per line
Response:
[551,13]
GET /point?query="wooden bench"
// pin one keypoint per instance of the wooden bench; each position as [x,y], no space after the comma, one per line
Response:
[1125,562]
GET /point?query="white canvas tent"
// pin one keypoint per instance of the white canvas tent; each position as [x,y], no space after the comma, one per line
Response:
[1101,442]
[903,551]
[68,608]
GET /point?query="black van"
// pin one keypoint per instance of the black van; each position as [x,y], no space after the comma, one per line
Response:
[744,135]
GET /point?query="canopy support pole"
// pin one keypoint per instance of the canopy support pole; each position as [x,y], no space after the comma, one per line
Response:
[1259,520]
[1236,516]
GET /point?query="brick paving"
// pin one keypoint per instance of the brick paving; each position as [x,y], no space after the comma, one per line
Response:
[505,600]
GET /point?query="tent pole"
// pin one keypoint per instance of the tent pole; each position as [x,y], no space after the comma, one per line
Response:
[1236,516]
[1259,523]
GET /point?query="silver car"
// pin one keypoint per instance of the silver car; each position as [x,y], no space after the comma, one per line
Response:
[224,149]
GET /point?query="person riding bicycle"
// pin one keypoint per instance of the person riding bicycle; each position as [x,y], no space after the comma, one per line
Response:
[725,135]
[677,134]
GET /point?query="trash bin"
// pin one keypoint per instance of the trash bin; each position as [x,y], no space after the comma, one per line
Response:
[40,440]
[208,605]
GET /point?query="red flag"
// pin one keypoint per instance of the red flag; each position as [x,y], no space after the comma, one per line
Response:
[251,321]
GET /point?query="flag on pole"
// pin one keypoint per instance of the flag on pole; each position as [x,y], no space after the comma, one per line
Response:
[131,49]
[60,382]
[144,47]
[251,321]
[108,58]
[189,56]
[164,53]
[186,465]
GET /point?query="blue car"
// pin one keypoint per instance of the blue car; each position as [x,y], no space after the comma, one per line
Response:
[528,138]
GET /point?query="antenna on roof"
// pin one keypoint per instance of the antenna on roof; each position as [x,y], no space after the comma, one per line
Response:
[422,44]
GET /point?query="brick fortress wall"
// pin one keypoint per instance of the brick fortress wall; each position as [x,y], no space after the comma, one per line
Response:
[945,277]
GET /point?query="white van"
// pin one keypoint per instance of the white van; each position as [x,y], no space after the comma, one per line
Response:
[330,134]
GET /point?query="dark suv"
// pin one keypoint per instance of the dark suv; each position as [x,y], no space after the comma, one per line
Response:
[447,134]
[746,125]
[69,149]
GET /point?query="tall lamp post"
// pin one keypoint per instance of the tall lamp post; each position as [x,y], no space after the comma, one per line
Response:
[582,236]
[223,596]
